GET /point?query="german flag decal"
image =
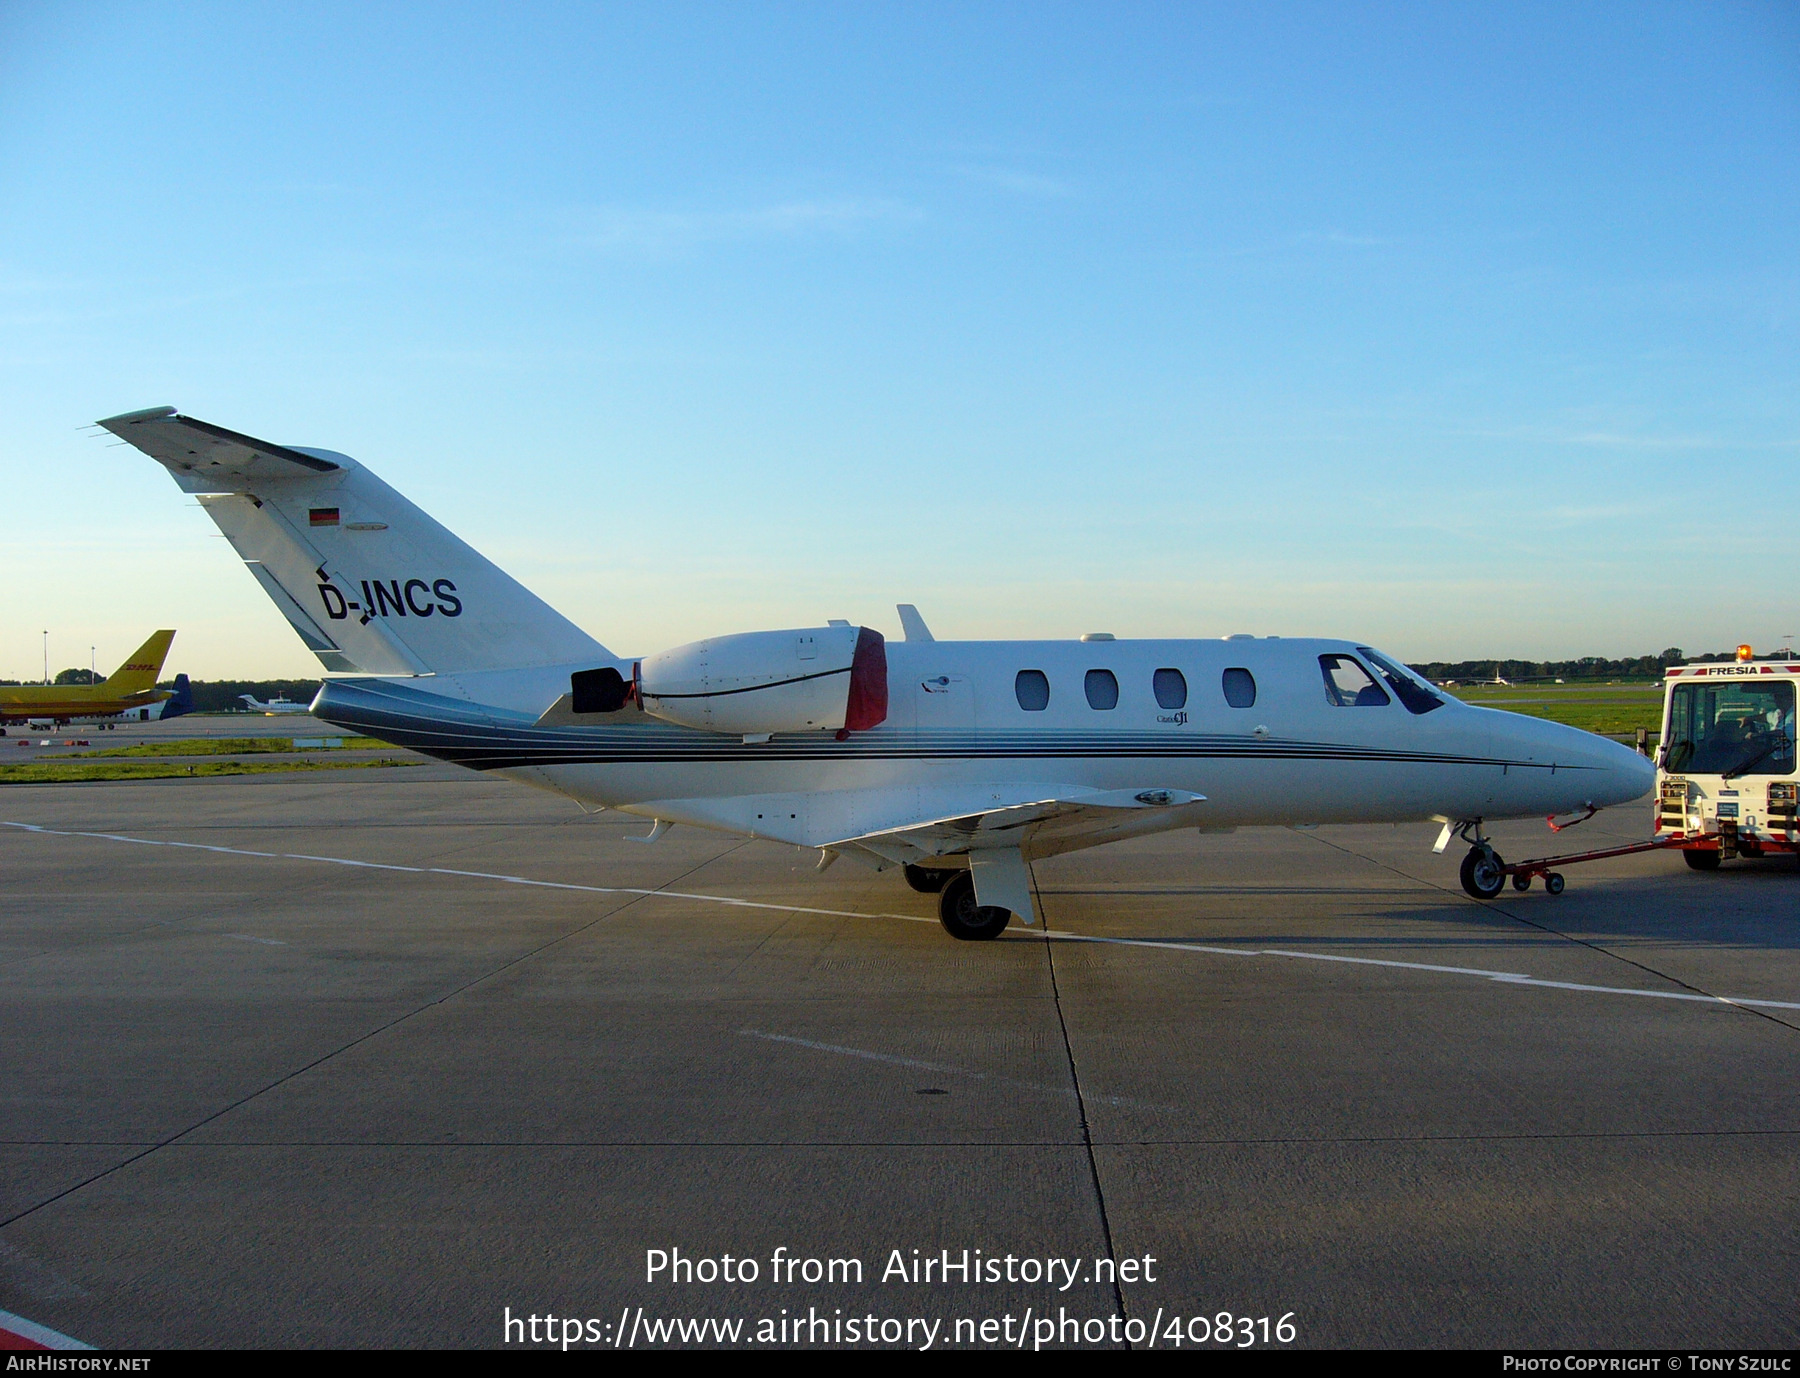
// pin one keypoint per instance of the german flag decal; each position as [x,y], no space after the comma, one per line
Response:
[322,516]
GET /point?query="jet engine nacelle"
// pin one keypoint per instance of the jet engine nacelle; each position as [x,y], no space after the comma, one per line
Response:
[832,678]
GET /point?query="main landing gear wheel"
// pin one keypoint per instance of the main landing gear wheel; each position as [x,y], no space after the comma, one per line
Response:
[1482,875]
[925,879]
[1702,861]
[963,918]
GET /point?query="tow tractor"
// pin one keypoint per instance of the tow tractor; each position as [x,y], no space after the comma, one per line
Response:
[1726,777]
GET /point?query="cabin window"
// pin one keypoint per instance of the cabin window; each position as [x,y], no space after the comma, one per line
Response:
[1171,689]
[1348,685]
[1032,689]
[1102,689]
[1731,728]
[1413,692]
[1240,687]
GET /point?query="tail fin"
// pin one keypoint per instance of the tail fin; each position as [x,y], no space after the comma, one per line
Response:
[141,667]
[181,701]
[370,582]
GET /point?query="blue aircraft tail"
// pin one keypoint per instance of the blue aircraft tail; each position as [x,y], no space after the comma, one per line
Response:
[181,701]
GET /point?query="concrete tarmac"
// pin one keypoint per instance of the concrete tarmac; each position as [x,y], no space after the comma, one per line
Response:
[266,1095]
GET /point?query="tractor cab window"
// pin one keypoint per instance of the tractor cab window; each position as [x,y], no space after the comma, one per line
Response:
[1348,685]
[1415,693]
[1731,728]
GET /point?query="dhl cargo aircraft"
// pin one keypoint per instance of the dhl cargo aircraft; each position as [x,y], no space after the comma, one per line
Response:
[129,690]
[957,762]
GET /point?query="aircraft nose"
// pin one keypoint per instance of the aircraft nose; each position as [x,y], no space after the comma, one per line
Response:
[1598,771]
[1609,772]
[1628,775]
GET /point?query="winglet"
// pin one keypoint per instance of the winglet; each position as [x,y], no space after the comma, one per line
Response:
[912,624]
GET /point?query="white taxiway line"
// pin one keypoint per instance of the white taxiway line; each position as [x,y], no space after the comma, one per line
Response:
[1511,978]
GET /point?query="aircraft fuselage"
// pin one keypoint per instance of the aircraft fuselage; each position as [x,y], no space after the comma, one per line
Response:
[955,719]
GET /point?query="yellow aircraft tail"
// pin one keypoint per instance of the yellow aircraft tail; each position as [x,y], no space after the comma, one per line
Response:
[141,668]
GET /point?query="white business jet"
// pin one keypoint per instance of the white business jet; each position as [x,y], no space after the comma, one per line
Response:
[275,707]
[957,761]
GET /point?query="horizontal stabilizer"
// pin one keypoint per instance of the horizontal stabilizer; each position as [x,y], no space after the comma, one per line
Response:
[187,446]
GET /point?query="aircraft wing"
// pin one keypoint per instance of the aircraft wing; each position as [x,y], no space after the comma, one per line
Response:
[1030,825]
[916,824]
[185,446]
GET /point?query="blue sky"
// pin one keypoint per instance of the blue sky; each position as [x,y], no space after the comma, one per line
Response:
[1466,330]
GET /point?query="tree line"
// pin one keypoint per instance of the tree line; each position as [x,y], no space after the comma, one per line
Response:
[221,695]
[1585,667]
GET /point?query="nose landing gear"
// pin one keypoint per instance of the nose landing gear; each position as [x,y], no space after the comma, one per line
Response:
[1484,873]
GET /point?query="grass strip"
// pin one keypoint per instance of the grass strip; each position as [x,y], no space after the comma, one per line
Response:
[1616,711]
[221,746]
[1602,718]
[66,772]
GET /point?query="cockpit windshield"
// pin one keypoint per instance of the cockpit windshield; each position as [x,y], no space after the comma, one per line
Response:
[1731,727]
[1415,693]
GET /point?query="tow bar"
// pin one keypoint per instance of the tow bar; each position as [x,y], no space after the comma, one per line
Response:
[1522,871]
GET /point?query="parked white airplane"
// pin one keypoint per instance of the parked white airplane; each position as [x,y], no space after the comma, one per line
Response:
[274,707]
[958,761]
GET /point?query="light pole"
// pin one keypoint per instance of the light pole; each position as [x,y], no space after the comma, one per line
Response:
[46,657]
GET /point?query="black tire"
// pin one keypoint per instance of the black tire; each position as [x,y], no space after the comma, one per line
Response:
[1481,873]
[1553,883]
[1701,861]
[963,918]
[926,880]
[1522,881]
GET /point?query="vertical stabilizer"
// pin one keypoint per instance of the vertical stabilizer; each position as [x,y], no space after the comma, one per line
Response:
[180,702]
[141,667]
[370,582]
